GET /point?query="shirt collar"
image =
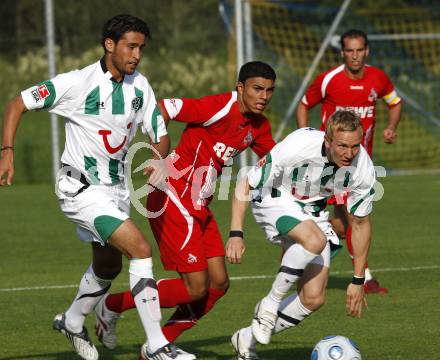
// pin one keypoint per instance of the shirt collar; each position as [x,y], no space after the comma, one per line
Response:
[107,73]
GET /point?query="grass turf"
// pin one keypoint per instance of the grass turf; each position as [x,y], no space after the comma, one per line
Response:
[39,249]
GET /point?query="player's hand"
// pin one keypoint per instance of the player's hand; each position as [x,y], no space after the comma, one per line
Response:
[355,300]
[157,172]
[389,136]
[235,249]
[6,168]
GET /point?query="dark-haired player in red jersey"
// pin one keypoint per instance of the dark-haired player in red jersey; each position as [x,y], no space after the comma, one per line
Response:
[219,127]
[353,86]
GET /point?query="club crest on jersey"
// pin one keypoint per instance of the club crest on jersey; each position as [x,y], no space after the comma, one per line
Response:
[373,96]
[248,138]
[136,103]
[192,259]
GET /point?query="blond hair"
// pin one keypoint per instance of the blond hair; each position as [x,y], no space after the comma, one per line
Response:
[342,120]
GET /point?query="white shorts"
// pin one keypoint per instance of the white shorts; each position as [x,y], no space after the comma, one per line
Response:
[97,211]
[278,215]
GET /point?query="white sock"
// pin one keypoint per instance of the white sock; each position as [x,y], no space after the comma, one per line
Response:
[368,275]
[290,313]
[295,259]
[146,297]
[91,289]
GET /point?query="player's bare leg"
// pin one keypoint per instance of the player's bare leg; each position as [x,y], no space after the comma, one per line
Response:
[206,288]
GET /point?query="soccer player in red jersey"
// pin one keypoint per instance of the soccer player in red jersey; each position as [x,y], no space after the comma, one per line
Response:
[354,86]
[219,127]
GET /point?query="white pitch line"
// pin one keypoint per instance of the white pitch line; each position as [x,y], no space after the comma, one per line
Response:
[254,277]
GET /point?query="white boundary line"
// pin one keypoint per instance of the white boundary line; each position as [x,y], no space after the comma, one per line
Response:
[255,277]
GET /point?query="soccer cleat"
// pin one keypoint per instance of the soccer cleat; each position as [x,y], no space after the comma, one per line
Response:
[167,352]
[372,287]
[80,341]
[263,324]
[105,326]
[243,351]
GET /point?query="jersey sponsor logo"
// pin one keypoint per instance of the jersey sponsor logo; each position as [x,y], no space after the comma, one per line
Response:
[356,87]
[362,111]
[43,91]
[373,95]
[105,134]
[224,152]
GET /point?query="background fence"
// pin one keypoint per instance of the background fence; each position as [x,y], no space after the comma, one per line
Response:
[404,41]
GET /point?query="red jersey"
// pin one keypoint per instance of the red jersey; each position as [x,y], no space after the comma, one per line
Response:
[216,132]
[336,91]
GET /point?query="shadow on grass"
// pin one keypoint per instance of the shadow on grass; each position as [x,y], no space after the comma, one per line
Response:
[338,282]
[198,347]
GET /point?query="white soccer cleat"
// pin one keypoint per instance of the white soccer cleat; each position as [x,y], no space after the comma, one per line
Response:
[167,352]
[262,324]
[105,326]
[243,350]
[80,341]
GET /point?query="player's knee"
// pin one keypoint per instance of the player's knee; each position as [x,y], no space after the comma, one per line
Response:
[313,302]
[198,291]
[222,284]
[317,242]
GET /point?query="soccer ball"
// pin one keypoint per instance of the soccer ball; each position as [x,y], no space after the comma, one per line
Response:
[336,348]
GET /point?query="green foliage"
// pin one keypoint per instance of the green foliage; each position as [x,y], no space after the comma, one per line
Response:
[185,58]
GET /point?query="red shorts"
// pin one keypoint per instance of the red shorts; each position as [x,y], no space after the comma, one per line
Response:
[186,237]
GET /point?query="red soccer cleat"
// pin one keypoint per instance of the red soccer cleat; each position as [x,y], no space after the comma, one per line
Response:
[372,287]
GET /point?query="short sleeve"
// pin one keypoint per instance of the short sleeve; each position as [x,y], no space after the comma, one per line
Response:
[313,95]
[388,92]
[205,110]
[361,193]
[54,95]
[153,123]
[273,164]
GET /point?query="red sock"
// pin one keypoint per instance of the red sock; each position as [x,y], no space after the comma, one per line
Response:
[171,293]
[349,244]
[186,315]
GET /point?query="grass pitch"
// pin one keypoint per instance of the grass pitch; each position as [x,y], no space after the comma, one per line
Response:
[42,263]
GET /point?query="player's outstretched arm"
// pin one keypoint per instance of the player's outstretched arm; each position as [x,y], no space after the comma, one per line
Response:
[302,116]
[361,238]
[11,119]
[390,132]
[235,245]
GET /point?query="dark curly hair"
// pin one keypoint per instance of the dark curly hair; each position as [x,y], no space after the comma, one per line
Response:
[118,25]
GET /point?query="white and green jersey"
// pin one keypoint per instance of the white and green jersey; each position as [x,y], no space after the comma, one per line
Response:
[101,115]
[298,168]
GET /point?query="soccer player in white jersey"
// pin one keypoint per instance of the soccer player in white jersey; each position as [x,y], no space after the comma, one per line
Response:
[290,188]
[103,104]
